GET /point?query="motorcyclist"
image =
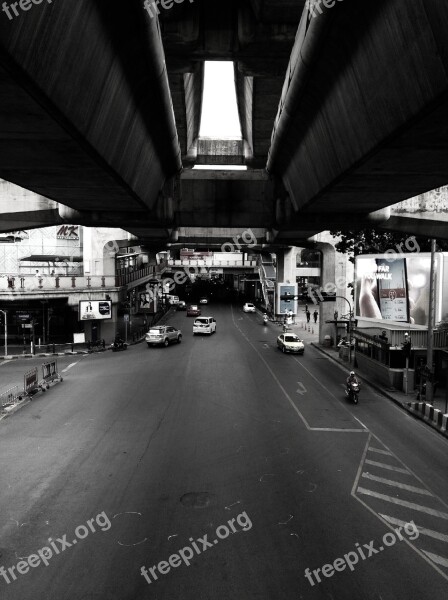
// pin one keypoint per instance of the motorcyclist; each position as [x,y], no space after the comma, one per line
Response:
[351,379]
[265,318]
[118,340]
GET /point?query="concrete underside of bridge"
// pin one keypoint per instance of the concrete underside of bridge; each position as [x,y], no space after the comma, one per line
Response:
[343,114]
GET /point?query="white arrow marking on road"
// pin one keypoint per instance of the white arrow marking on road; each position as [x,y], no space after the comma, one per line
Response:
[302,390]
[69,366]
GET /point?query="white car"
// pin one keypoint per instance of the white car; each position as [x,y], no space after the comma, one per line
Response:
[163,335]
[290,342]
[249,307]
[203,300]
[204,325]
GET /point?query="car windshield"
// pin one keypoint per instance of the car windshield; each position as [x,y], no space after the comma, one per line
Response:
[155,330]
[193,307]
[201,321]
[291,338]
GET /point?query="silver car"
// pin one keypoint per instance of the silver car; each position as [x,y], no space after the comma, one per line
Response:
[163,335]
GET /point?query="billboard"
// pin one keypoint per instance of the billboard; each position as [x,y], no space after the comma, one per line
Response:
[90,310]
[286,298]
[396,287]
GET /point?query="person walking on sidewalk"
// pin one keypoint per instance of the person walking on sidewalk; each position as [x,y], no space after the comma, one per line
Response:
[308,315]
[315,315]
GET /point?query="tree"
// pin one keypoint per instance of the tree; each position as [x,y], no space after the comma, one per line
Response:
[373,241]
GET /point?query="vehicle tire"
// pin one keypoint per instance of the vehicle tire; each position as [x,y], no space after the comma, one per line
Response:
[355,398]
[179,339]
[166,342]
[283,350]
[149,345]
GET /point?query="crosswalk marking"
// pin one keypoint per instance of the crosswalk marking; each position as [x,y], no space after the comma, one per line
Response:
[428,532]
[439,560]
[409,488]
[411,505]
[388,467]
[379,451]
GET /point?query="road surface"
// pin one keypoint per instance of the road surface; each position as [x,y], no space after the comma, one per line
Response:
[218,469]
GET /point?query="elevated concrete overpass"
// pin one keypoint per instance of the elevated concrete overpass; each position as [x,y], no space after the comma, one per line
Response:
[343,114]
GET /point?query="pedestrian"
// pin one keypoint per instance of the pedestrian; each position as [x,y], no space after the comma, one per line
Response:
[315,315]
[308,315]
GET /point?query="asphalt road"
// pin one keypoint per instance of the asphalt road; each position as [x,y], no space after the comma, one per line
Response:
[247,461]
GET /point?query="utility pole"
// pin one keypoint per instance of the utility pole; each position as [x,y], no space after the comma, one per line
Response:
[431,318]
[6,332]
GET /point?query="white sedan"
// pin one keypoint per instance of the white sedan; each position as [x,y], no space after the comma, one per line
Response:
[290,342]
[249,307]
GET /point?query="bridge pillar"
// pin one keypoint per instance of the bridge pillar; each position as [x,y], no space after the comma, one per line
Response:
[336,273]
[286,265]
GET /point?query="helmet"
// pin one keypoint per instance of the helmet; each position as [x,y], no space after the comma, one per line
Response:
[352,372]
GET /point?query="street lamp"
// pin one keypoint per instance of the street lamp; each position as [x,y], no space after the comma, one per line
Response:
[6,332]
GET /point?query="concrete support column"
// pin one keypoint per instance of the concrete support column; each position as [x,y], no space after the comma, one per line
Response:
[286,265]
[336,273]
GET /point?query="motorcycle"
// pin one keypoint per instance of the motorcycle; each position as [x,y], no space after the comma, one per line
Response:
[265,319]
[352,392]
[118,345]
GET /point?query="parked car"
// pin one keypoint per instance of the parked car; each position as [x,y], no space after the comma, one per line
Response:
[163,335]
[193,310]
[204,325]
[181,305]
[203,300]
[290,342]
[249,307]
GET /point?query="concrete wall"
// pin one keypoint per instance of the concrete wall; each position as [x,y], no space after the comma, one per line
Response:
[380,373]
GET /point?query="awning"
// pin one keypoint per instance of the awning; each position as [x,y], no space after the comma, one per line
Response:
[54,258]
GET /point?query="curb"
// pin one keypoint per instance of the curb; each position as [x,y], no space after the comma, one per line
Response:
[424,412]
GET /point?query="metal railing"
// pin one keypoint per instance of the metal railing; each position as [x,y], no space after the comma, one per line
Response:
[9,396]
[395,338]
[32,283]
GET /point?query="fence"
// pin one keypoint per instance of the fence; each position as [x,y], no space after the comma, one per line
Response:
[30,381]
[29,283]
[50,373]
[9,396]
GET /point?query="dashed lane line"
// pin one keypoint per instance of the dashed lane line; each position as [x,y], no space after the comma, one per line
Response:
[69,366]
[403,486]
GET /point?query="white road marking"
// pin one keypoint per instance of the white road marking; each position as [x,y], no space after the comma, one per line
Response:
[330,393]
[379,451]
[439,560]
[403,486]
[388,467]
[301,389]
[405,503]
[288,397]
[428,532]
[69,366]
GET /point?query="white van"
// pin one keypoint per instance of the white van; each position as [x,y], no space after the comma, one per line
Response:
[173,300]
[204,325]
